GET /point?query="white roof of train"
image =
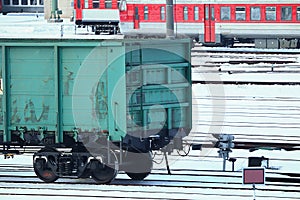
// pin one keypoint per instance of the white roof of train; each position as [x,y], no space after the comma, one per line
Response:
[31,27]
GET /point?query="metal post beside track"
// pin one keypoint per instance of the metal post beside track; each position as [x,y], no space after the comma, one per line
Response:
[170,20]
[55,12]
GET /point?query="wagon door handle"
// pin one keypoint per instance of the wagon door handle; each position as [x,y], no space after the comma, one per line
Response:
[116,116]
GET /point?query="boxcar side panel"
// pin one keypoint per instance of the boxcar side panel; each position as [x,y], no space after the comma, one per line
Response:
[81,73]
[1,96]
[56,90]
[158,89]
[116,87]
[31,87]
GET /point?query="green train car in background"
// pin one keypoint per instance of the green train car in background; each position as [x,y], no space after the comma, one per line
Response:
[94,106]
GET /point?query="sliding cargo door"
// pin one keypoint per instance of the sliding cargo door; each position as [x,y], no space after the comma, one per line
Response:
[209,24]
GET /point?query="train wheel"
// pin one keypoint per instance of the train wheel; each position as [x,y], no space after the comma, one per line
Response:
[103,170]
[138,176]
[45,164]
[139,165]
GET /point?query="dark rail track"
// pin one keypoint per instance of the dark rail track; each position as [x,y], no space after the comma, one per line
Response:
[159,183]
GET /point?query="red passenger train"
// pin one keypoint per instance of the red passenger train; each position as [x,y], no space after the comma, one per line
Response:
[219,22]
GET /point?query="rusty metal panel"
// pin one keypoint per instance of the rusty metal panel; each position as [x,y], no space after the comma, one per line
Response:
[73,60]
[57,89]
[32,86]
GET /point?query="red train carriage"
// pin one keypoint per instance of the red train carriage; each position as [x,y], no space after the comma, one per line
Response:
[267,24]
[102,15]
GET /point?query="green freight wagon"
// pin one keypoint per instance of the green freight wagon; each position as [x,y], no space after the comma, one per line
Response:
[94,106]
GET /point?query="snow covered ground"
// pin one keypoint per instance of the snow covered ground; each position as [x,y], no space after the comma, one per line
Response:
[190,179]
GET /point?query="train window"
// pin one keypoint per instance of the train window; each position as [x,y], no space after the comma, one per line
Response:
[270,13]
[185,13]
[136,13]
[212,13]
[196,13]
[298,13]
[96,4]
[108,3]
[162,13]
[118,3]
[146,13]
[225,13]
[24,2]
[15,2]
[286,13]
[209,12]
[123,5]
[255,13]
[33,2]
[79,4]
[6,2]
[206,12]
[240,13]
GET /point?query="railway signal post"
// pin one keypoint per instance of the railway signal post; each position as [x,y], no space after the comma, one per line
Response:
[225,143]
[170,20]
